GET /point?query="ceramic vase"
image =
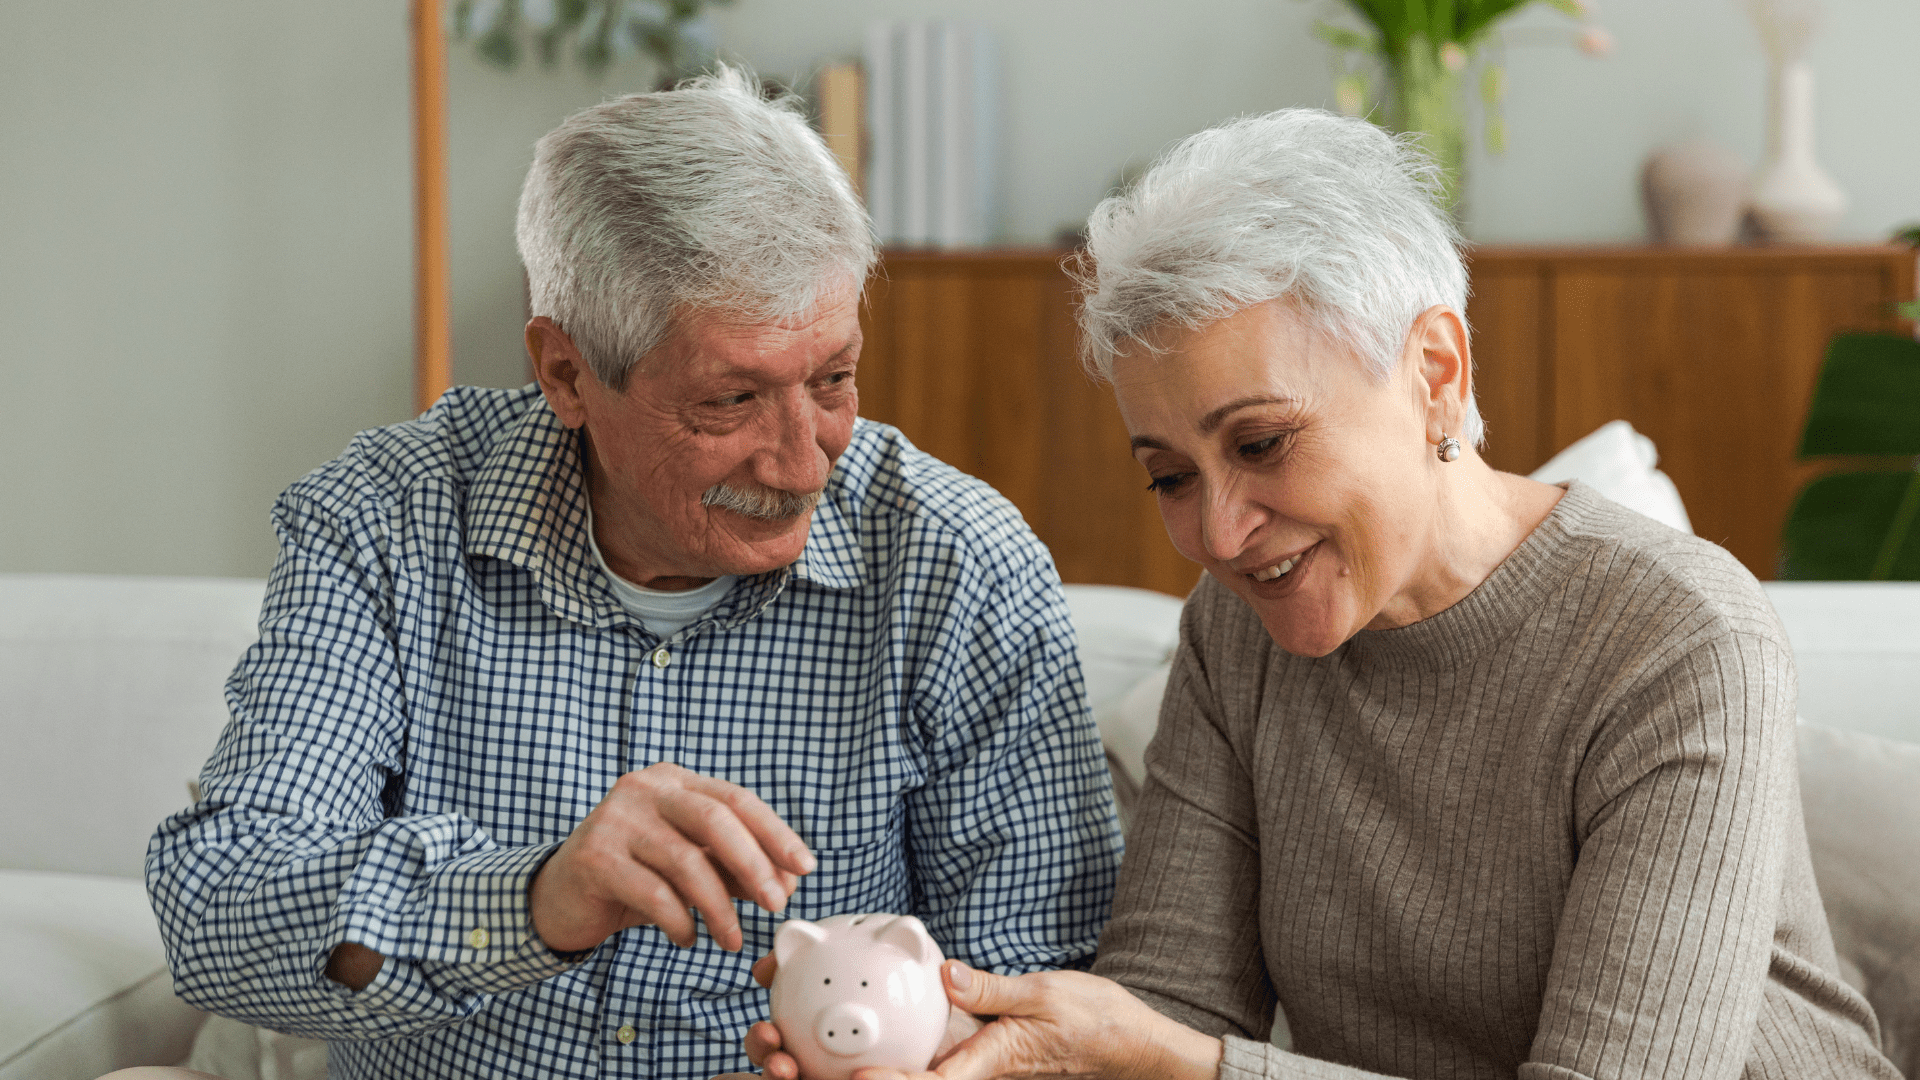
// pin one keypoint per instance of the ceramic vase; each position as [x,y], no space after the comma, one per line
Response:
[1794,200]
[1694,193]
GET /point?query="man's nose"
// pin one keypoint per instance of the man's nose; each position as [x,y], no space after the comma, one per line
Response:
[793,460]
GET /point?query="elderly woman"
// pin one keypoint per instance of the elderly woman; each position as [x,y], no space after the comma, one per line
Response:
[1469,775]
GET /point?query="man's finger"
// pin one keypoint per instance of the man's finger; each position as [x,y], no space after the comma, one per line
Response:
[715,826]
[762,1040]
[775,837]
[635,885]
[764,968]
[691,874]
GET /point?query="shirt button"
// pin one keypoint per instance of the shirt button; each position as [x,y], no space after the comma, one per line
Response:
[661,657]
[626,1034]
[478,938]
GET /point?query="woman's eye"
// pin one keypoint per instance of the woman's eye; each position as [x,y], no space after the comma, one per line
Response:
[1167,485]
[1260,447]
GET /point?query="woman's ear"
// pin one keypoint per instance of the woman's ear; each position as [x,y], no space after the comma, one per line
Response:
[1444,365]
[559,368]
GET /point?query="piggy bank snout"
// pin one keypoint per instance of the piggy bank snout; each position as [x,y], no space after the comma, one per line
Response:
[848,1029]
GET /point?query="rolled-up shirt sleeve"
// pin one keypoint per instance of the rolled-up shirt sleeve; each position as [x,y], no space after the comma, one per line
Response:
[292,848]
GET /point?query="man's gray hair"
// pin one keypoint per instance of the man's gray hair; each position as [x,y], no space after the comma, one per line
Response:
[707,197]
[1328,212]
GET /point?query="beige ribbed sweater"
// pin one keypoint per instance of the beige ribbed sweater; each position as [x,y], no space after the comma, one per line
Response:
[1552,832]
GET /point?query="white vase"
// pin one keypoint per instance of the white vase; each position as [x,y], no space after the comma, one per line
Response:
[1794,200]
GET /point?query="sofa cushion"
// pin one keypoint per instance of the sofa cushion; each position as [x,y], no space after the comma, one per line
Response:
[86,989]
[111,691]
[1862,799]
[1856,647]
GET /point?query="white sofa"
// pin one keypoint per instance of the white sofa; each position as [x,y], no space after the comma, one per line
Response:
[110,700]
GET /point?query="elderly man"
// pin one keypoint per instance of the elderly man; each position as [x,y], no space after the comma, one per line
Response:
[548,679]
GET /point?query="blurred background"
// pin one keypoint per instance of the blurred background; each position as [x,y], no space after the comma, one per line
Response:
[207,248]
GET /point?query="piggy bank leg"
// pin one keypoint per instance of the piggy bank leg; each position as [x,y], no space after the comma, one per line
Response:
[157,1072]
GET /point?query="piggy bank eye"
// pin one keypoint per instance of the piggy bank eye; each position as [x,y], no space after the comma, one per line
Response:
[829,982]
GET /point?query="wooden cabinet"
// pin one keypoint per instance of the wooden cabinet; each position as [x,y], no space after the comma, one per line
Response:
[1711,353]
[974,357]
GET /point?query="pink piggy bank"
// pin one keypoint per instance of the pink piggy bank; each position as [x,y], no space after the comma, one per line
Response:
[858,990]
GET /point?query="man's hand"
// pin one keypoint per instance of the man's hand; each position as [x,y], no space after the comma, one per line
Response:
[665,840]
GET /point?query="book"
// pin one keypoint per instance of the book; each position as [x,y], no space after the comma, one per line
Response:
[841,89]
[933,128]
[883,139]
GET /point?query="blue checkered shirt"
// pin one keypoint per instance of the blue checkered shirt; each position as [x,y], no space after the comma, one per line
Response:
[445,685]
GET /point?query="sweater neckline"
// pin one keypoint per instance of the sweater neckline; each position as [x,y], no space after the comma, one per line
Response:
[1512,593]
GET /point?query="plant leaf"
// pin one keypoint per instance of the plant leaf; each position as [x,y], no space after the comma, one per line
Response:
[1842,528]
[1342,38]
[1868,398]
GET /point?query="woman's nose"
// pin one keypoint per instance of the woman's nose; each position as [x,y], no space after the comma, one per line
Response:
[1227,520]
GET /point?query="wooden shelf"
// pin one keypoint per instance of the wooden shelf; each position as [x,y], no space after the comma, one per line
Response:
[1712,352]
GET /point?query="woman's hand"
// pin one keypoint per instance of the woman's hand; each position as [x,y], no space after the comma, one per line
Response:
[1062,1023]
[763,1039]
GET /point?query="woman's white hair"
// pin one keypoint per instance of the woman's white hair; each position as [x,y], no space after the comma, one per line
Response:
[1328,212]
[706,197]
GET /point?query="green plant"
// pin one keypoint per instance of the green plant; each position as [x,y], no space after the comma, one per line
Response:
[1424,46]
[1850,526]
[597,32]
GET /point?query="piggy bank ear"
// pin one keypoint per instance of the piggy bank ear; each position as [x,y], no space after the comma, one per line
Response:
[910,936]
[794,935]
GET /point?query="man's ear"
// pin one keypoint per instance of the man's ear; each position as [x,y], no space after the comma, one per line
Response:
[559,368]
[1444,365]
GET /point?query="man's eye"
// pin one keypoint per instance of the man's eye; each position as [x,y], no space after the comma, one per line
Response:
[1168,484]
[839,377]
[732,400]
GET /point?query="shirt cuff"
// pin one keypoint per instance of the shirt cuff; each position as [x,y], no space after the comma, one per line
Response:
[476,909]
[475,935]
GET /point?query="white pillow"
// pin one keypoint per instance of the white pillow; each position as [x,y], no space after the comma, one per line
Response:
[1618,462]
[1124,634]
[84,989]
[1862,799]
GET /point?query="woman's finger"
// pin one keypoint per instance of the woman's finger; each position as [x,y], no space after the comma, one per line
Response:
[983,993]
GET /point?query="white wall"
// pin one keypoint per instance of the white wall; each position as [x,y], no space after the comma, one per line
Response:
[205,241]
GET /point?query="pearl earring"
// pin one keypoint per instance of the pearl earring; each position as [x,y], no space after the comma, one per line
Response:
[1449,448]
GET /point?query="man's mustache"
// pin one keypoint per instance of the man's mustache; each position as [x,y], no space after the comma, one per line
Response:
[764,503]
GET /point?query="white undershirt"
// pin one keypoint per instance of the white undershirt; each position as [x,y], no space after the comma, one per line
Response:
[659,610]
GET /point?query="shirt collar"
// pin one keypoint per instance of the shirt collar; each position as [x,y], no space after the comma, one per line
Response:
[528,506]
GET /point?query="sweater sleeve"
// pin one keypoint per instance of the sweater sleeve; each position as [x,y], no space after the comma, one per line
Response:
[1185,934]
[1660,958]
